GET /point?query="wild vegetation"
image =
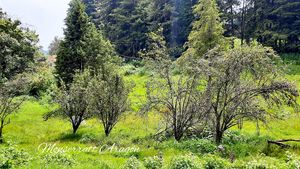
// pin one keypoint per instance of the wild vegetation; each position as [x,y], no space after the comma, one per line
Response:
[154,84]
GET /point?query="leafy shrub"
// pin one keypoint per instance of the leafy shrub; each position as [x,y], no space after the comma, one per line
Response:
[87,138]
[184,162]
[142,71]
[153,162]
[10,157]
[199,146]
[58,158]
[293,162]
[234,137]
[41,81]
[261,162]
[214,162]
[133,163]
[128,69]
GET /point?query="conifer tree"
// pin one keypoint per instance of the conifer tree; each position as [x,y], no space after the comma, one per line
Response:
[83,45]
[207,30]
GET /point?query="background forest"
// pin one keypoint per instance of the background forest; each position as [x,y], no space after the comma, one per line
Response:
[175,84]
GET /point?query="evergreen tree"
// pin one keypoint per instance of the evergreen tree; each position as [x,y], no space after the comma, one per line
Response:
[160,14]
[230,14]
[277,24]
[207,30]
[54,45]
[128,28]
[83,45]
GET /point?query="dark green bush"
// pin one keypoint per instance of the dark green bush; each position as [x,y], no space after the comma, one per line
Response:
[88,138]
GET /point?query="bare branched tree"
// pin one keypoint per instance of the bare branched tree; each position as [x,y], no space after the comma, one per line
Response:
[108,100]
[178,96]
[244,83]
[73,101]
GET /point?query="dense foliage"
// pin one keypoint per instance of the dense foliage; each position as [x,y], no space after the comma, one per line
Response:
[273,23]
[83,46]
[17,47]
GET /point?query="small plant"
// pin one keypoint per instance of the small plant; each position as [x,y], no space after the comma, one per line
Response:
[154,162]
[293,162]
[263,162]
[199,146]
[88,138]
[214,162]
[11,157]
[58,158]
[184,162]
[133,163]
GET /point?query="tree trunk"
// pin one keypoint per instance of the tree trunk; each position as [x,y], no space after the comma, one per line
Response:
[218,136]
[1,138]
[107,131]
[75,127]
[178,135]
[232,26]
[243,23]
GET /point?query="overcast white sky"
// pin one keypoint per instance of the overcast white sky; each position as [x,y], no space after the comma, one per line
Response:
[46,17]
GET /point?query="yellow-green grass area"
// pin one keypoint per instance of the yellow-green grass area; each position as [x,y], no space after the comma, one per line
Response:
[29,131]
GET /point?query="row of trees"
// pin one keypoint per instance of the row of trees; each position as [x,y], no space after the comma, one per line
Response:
[126,22]
[87,68]
[219,86]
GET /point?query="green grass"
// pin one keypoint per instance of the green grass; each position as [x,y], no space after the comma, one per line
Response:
[28,130]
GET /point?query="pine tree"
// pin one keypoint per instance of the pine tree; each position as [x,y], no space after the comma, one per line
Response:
[83,45]
[230,16]
[160,14]
[207,30]
[277,24]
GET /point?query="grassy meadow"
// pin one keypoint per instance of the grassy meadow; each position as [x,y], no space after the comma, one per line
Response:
[28,133]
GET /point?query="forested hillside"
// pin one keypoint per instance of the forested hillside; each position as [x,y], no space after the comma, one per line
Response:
[274,23]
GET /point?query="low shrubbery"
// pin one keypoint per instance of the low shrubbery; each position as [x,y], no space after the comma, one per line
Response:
[198,146]
[57,159]
[11,157]
[215,162]
[133,163]
[185,162]
[153,162]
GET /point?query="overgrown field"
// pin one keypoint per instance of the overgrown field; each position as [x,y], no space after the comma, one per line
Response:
[31,142]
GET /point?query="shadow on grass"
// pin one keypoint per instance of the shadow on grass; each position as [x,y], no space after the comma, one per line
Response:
[69,137]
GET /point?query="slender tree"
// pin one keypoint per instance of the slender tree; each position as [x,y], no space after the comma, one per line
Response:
[207,30]
[73,101]
[108,100]
[176,98]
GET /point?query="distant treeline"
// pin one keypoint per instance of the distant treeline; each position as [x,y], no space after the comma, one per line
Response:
[274,23]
